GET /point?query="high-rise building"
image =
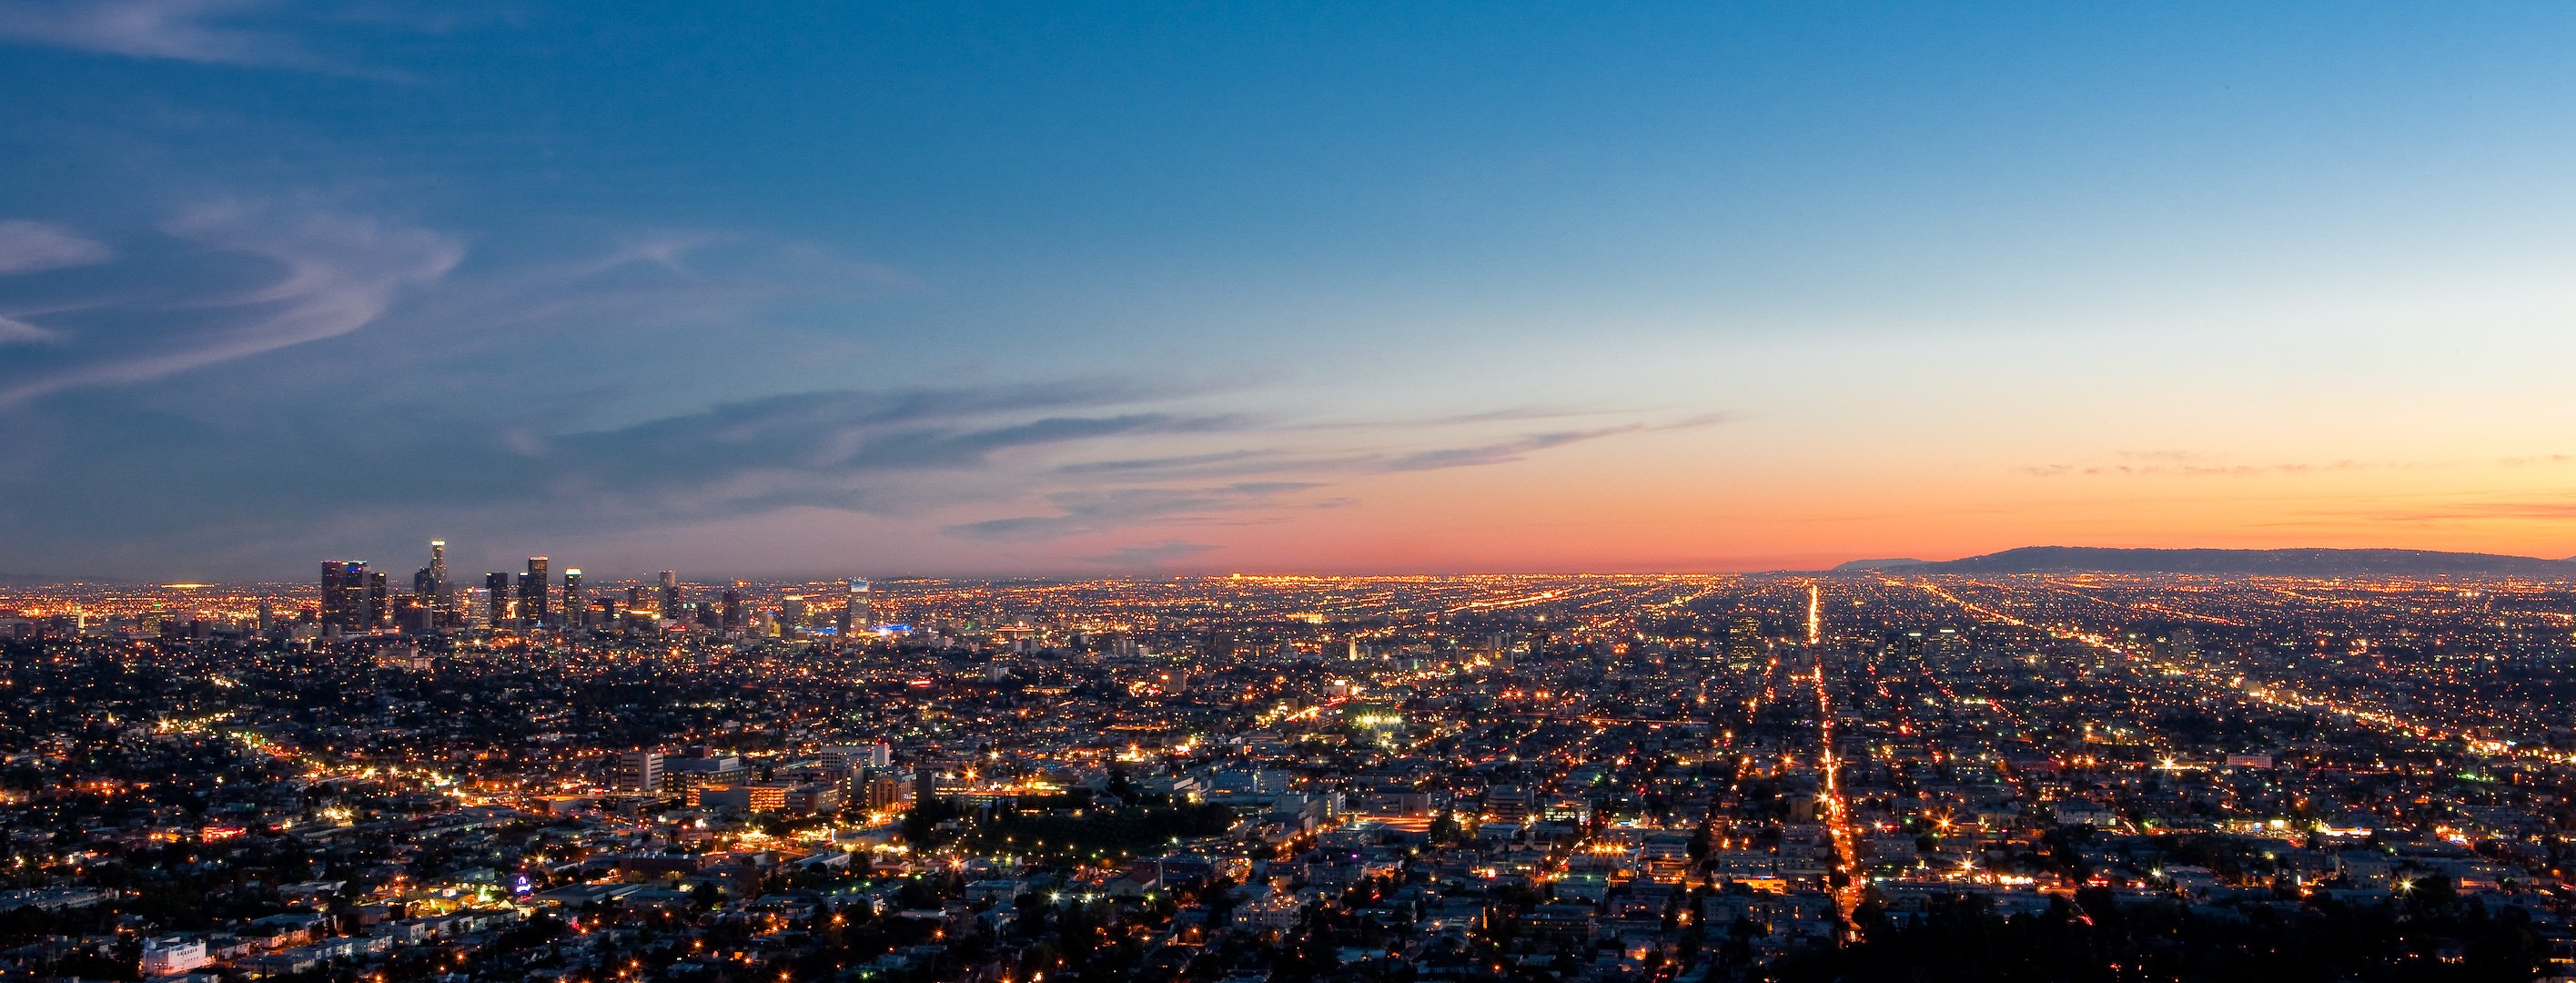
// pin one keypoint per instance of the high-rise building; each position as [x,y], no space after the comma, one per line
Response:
[380,601]
[534,587]
[732,608]
[858,614]
[497,584]
[429,584]
[344,595]
[576,607]
[670,594]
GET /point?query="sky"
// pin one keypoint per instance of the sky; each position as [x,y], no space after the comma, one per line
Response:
[844,288]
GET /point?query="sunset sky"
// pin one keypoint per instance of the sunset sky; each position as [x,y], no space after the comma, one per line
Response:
[882,289]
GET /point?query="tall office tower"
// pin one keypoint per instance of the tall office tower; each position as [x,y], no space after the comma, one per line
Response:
[534,588]
[732,608]
[497,584]
[1744,639]
[576,608]
[429,584]
[344,595]
[791,609]
[380,606]
[670,594]
[857,613]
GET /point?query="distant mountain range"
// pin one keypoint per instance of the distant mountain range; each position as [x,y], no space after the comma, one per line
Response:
[2281,563]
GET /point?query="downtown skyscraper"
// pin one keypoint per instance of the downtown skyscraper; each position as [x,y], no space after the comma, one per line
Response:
[344,596]
[534,588]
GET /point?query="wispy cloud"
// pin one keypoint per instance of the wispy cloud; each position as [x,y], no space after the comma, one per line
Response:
[836,449]
[1178,461]
[1089,511]
[1501,452]
[1106,510]
[26,247]
[336,272]
[203,31]
[1106,463]
[13,331]
[1515,449]
[1152,556]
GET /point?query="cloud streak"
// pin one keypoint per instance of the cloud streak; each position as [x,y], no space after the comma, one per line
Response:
[201,31]
[1153,556]
[1099,511]
[335,273]
[1503,452]
[1106,510]
[14,331]
[27,247]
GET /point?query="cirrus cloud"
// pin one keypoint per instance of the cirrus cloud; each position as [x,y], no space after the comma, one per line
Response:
[26,247]
[333,273]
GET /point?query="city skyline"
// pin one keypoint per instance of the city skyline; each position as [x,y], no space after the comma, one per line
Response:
[1079,291]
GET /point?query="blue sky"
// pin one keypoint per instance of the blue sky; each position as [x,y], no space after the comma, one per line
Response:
[874,288]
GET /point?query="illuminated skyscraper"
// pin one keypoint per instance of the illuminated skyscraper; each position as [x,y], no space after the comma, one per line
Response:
[380,601]
[430,583]
[670,594]
[534,587]
[497,584]
[576,606]
[344,595]
[857,613]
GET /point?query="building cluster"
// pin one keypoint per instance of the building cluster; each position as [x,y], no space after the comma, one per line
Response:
[1280,778]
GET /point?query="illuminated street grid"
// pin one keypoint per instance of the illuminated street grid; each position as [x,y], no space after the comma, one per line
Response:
[1611,777]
